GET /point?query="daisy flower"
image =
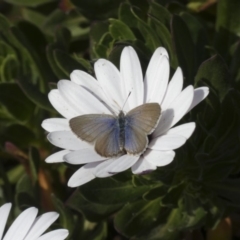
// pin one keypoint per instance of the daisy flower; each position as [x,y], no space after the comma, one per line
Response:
[107,94]
[27,226]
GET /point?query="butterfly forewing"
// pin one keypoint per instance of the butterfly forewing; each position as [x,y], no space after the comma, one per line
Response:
[140,122]
[144,117]
[90,126]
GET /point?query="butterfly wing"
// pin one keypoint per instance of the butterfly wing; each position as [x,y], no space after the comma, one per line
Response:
[107,144]
[140,122]
[102,129]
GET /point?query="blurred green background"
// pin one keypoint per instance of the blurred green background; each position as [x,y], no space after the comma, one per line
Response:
[43,41]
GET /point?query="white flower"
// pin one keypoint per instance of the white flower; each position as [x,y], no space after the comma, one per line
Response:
[86,95]
[28,227]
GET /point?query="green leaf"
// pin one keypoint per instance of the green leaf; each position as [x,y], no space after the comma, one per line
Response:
[34,159]
[63,38]
[120,31]
[83,62]
[219,170]
[30,55]
[235,63]
[32,38]
[134,219]
[9,68]
[98,29]
[165,39]
[18,106]
[66,217]
[97,8]
[150,36]
[184,47]
[15,132]
[173,195]
[215,71]
[14,174]
[5,183]
[92,211]
[160,232]
[71,21]
[33,17]
[33,93]
[209,115]
[125,15]
[52,61]
[199,36]
[228,189]
[157,192]
[209,143]
[115,55]
[6,49]
[29,3]
[228,16]
[180,219]
[161,13]
[110,191]
[66,63]
[227,26]
[26,193]
[26,54]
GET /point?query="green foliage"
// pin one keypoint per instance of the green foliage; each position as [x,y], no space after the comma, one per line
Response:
[48,40]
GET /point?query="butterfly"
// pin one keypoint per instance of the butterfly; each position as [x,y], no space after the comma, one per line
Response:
[118,134]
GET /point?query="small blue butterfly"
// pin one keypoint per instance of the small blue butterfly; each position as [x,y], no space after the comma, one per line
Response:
[115,135]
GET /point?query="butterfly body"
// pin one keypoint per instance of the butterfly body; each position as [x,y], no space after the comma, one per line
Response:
[116,135]
[121,124]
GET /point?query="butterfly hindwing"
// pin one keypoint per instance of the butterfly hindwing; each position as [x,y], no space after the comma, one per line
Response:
[88,127]
[135,140]
[108,145]
[99,128]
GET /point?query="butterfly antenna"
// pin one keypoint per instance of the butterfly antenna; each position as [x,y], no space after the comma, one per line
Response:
[126,100]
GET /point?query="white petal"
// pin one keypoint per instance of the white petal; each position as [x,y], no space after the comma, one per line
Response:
[153,64]
[57,157]
[56,124]
[156,79]
[174,88]
[41,224]
[4,212]
[59,234]
[21,225]
[159,158]
[131,72]
[88,82]
[167,142]
[177,109]
[84,79]
[83,175]
[123,163]
[81,99]
[83,156]
[199,94]
[116,165]
[143,166]
[110,80]
[101,170]
[67,140]
[184,130]
[61,105]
